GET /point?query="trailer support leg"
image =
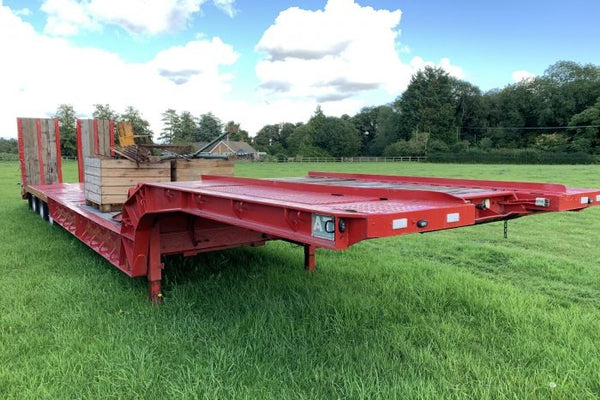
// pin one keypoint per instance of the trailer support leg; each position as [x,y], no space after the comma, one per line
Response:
[154,266]
[309,257]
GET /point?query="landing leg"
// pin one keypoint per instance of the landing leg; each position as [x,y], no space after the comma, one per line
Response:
[309,257]
[154,267]
[154,293]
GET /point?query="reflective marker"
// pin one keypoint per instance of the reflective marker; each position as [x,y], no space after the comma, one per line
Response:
[542,202]
[399,223]
[453,217]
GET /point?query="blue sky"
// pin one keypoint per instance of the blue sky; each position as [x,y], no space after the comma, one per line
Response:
[270,61]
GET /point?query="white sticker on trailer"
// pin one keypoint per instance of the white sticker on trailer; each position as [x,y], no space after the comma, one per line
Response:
[400,223]
[598,197]
[323,226]
[585,200]
[453,217]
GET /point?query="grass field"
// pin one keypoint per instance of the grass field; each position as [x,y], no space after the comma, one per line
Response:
[461,314]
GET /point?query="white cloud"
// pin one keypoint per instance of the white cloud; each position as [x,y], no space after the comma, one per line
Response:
[199,58]
[335,53]
[227,6]
[417,63]
[45,72]
[66,18]
[328,66]
[522,75]
[69,17]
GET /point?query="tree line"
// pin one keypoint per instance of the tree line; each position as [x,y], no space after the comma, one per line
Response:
[437,113]
[177,128]
[556,112]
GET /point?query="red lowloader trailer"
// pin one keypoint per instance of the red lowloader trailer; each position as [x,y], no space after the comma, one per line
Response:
[327,210]
[322,210]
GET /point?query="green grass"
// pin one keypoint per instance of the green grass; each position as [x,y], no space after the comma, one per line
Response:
[462,314]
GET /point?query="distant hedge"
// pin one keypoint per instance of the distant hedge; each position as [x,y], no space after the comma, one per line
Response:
[512,156]
[9,157]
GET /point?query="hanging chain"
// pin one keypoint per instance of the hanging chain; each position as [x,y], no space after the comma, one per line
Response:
[505,229]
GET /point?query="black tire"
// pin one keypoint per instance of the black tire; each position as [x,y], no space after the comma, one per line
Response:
[35,204]
[44,211]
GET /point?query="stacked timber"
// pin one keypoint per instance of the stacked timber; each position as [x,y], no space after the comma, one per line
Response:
[107,181]
[191,169]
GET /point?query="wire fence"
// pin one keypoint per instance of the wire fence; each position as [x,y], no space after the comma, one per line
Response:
[345,159]
[320,159]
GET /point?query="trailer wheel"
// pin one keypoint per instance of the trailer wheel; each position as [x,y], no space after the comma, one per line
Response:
[35,204]
[44,211]
[30,202]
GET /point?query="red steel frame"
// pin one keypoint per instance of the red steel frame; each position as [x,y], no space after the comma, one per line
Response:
[58,153]
[80,155]
[218,212]
[21,152]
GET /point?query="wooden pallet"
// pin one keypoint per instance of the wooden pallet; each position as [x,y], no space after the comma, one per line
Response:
[104,207]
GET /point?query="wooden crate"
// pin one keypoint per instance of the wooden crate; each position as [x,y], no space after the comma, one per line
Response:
[107,181]
[190,170]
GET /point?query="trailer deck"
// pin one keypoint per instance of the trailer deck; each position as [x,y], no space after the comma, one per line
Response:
[321,210]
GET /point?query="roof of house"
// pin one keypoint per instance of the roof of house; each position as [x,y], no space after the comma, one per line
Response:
[239,147]
[199,145]
[235,146]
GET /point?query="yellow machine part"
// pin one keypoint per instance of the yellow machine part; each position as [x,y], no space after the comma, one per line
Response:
[125,133]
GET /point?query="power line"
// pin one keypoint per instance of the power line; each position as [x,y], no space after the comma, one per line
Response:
[538,128]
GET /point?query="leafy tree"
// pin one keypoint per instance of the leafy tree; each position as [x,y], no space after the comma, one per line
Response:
[209,128]
[302,142]
[428,105]
[470,110]
[267,139]
[9,146]
[322,136]
[235,133]
[387,130]
[104,111]
[518,106]
[486,143]
[567,88]
[563,72]
[171,130]
[551,142]
[337,136]
[365,122]
[415,146]
[285,131]
[273,139]
[318,118]
[586,137]
[187,129]
[66,121]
